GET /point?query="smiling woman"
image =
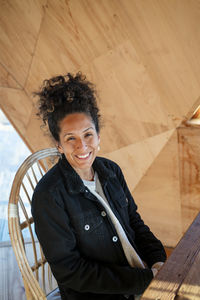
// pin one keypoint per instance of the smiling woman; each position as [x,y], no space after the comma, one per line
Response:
[86,220]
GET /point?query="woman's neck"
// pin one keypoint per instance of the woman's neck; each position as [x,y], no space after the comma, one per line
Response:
[86,174]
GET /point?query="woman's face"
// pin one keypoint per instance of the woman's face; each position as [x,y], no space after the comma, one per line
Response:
[78,141]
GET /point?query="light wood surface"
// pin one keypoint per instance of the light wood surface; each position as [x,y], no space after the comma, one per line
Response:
[17,107]
[145,151]
[190,288]
[144,58]
[20,24]
[158,194]
[179,278]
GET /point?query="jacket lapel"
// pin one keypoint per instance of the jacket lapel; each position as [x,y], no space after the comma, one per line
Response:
[73,181]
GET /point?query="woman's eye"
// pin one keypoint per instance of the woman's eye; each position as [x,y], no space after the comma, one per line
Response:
[71,138]
[88,134]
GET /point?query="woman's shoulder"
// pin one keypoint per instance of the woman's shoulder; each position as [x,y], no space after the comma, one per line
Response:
[108,163]
[49,179]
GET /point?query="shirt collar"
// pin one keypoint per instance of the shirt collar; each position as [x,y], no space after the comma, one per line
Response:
[73,181]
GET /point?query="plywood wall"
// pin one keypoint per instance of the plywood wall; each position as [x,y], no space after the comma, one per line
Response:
[143,57]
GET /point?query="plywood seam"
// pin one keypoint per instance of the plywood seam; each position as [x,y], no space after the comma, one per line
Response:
[6,87]
[11,88]
[35,46]
[30,118]
[148,64]
[140,141]
[173,130]
[27,94]
[179,166]
[4,67]
[17,89]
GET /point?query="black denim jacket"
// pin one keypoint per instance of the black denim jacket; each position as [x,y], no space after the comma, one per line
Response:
[79,240]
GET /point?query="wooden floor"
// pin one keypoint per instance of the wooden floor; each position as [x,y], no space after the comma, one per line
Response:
[11,284]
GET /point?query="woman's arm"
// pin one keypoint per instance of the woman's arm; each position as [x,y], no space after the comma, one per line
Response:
[149,246]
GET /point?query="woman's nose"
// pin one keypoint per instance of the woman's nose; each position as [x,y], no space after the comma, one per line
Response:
[81,144]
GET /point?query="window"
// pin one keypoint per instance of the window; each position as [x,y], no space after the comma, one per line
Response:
[195,120]
[13,151]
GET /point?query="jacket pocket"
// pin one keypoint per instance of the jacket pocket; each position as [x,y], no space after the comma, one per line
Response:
[94,237]
[87,223]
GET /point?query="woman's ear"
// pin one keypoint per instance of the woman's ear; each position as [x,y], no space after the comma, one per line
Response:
[99,143]
[59,147]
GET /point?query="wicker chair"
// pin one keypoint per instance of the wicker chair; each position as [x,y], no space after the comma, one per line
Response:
[37,277]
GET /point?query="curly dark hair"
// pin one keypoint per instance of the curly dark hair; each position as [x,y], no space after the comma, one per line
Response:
[63,95]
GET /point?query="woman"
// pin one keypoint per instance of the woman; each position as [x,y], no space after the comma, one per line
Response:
[85,217]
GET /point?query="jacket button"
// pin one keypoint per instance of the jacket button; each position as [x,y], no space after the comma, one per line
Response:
[87,227]
[103,213]
[115,239]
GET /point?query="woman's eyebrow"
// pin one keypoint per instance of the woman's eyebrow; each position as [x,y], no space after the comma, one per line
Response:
[70,133]
[88,129]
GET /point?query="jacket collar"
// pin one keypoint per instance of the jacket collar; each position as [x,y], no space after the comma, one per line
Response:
[73,181]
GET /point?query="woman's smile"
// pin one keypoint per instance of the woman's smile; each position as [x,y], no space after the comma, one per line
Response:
[84,156]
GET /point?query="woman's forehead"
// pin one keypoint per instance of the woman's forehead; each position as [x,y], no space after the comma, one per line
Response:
[76,122]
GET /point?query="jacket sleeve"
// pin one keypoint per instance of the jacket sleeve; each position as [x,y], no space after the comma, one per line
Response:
[150,248]
[71,270]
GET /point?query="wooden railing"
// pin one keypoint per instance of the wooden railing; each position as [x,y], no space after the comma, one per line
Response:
[179,277]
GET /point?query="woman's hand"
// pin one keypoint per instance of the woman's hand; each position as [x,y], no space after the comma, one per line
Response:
[156,267]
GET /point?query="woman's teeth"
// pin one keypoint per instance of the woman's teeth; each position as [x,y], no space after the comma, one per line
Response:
[83,156]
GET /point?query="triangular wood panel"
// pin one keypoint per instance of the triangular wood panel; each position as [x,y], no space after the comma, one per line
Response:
[20,25]
[136,159]
[158,194]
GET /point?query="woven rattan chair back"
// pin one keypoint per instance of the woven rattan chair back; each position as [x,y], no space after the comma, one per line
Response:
[36,273]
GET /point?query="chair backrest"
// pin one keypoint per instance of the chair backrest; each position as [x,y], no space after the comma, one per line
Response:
[36,273]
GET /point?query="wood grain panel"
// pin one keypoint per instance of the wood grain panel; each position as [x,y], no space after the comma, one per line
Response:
[127,87]
[158,194]
[189,156]
[73,33]
[7,80]
[128,97]
[152,26]
[135,159]
[20,23]
[17,106]
[41,138]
